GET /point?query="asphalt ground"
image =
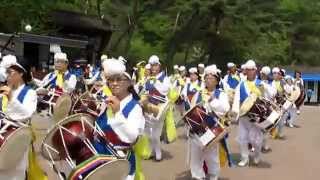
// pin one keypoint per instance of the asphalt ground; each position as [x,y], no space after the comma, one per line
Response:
[294,158]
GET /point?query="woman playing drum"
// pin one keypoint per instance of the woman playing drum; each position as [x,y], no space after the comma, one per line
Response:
[22,102]
[215,102]
[122,121]
[191,89]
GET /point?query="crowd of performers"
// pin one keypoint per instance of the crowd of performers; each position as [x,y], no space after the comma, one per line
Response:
[120,118]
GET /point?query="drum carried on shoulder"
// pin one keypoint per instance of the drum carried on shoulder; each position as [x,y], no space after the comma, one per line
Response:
[155,105]
[57,102]
[204,126]
[72,140]
[263,113]
[15,139]
[88,104]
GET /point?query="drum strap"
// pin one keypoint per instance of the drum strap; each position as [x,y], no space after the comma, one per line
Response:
[23,93]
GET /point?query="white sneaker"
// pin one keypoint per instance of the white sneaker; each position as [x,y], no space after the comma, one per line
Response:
[298,112]
[158,156]
[290,125]
[243,162]
[213,177]
[256,160]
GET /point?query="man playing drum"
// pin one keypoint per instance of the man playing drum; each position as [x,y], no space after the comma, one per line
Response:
[232,79]
[299,82]
[61,79]
[95,73]
[291,114]
[248,132]
[269,95]
[279,84]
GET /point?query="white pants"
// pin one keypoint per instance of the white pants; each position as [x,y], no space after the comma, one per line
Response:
[17,173]
[249,133]
[292,111]
[265,140]
[282,121]
[198,156]
[154,129]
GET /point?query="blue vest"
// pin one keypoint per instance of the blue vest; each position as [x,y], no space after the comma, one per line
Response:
[102,121]
[52,83]
[23,93]
[243,91]
[150,86]
[194,90]
[232,82]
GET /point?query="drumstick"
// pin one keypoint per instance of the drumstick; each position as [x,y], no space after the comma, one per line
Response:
[47,83]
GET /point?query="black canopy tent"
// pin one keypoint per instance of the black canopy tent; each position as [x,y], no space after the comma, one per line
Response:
[89,34]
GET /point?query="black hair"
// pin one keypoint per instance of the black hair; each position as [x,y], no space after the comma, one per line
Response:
[218,78]
[133,92]
[282,73]
[295,72]
[26,76]
[199,78]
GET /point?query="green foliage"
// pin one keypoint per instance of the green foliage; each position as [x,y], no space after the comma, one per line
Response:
[189,31]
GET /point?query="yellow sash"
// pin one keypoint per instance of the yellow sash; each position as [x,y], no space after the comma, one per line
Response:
[34,170]
[253,88]
[59,81]
[4,103]
[181,81]
[196,86]
[106,91]
[235,76]
[205,95]
[278,86]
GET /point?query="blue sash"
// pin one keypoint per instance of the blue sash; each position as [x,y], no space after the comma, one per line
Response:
[102,121]
[232,82]
[23,93]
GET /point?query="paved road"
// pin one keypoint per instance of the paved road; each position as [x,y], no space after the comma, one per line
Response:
[296,158]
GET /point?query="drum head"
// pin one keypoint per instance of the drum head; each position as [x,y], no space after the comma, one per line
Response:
[163,109]
[191,109]
[15,147]
[42,91]
[62,107]
[294,94]
[96,86]
[221,135]
[48,140]
[76,103]
[117,169]
[100,167]
[247,104]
